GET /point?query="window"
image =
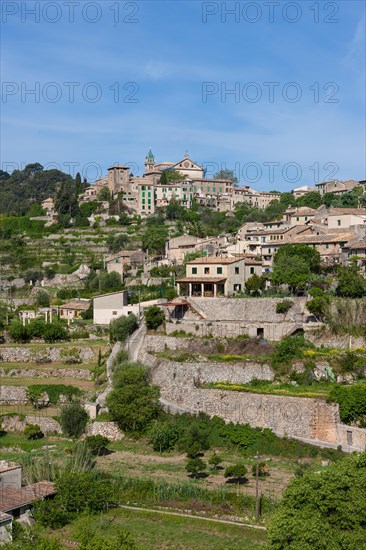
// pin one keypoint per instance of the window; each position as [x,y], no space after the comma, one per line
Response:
[236,271]
[306,218]
[349,438]
[237,288]
[339,222]
[208,189]
[143,193]
[251,270]
[219,270]
[220,189]
[194,270]
[207,270]
[297,218]
[143,201]
[114,312]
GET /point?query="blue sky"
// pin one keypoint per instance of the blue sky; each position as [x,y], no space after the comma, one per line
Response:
[173,64]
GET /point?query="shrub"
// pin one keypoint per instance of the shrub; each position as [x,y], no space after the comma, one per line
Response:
[352,403]
[284,306]
[163,436]
[55,331]
[263,469]
[33,431]
[18,332]
[73,419]
[154,317]
[195,466]
[122,327]
[54,391]
[97,444]
[236,471]
[42,299]
[214,461]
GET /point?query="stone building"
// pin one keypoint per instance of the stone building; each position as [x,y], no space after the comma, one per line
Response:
[211,277]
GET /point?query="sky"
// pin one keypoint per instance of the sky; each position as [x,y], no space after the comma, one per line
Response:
[272,90]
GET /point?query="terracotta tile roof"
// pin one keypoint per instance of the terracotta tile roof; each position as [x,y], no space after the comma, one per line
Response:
[11,498]
[82,305]
[355,211]
[218,260]
[201,279]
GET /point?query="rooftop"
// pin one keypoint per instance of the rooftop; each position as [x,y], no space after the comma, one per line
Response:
[77,304]
[11,499]
[218,260]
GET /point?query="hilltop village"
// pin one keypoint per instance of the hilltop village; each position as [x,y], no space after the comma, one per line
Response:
[177,342]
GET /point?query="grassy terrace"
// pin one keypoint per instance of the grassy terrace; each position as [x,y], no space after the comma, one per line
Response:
[317,389]
[153,530]
[187,357]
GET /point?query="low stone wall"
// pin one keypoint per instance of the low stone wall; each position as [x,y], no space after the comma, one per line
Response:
[198,374]
[14,424]
[308,419]
[109,430]
[231,329]
[15,395]
[24,354]
[77,374]
[329,340]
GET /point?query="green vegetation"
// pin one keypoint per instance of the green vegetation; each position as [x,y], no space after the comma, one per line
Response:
[295,266]
[284,306]
[33,431]
[122,327]
[236,472]
[133,403]
[352,403]
[195,467]
[54,391]
[97,444]
[154,317]
[316,389]
[73,419]
[323,510]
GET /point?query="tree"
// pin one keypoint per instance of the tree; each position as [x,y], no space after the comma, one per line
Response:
[104,195]
[73,419]
[263,470]
[163,436]
[33,431]
[174,176]
[122,327]
[55,331]
[195,466]
[42,299]
[311,200]
[295,266]
[323,510]
[255,284]
[18,332]
[98,444]
[79,491]
[226,175]
[318,305]
[236,472]
[154,239]
[350,284]
[214,461]
[133,403]
[154,317]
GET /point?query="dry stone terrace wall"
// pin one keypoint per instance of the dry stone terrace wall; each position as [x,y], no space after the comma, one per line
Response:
[341,341]
[50,354]
[307,419]
[15,424]
[77,374]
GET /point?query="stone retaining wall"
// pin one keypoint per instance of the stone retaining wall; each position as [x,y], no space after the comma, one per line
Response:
[232,329]
[329,340]
[77,374]
[109,430]
[50,354]
[14,424]
[13,394]
[309,419]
